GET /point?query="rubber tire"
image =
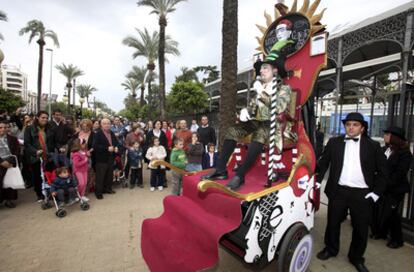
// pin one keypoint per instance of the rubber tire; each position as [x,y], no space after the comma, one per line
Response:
[60,213]
[84,206]
[290,242]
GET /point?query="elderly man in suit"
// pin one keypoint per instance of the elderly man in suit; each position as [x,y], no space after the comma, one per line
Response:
[357,178]
[105,145]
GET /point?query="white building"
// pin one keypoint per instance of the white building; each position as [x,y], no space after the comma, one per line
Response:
[31,102]
[13,79]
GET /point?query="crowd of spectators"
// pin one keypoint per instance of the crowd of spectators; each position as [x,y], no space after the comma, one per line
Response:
[98,153]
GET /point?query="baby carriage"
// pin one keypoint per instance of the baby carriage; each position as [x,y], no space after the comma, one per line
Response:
[48,174]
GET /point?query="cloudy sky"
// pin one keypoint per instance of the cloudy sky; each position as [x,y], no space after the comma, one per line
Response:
[90,34]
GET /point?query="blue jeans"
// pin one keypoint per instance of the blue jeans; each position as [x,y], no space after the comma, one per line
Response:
[193,167]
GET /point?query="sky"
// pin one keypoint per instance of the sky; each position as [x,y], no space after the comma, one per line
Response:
[90,33]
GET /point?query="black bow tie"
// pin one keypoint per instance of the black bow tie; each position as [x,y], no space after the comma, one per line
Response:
[353,139]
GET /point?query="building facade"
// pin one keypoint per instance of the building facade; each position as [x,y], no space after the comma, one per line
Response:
[14,80]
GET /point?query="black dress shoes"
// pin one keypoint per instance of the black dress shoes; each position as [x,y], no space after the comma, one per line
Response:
[360,267]
[235,183]
[99,196]
[216,175]
[324,255]
[111,192]
[394,245]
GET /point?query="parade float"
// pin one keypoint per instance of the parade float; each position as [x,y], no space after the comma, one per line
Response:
[259,225]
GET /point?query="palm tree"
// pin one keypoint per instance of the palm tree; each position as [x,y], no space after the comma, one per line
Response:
[70,72]
[146,45]
[138,73]
[85,90]
[3,17]
[131,84]
[187,74]
[228,66]
[209,70]
[161,8]
[37,29]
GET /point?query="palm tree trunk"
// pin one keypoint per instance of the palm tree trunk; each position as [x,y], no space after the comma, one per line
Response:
[228,67]
[69,86]
[87,101]
[161,64]
[40,73]
[141,100]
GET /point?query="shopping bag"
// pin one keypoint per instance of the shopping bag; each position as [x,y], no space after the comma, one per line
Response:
[13,178]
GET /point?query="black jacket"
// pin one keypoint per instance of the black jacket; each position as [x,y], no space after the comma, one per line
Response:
[100,146]
[32,144]
[398,164]
[373,164]
[207,135]
[61,132]
[150,137]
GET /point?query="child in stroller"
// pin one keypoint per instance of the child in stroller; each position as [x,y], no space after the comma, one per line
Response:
[64,185]
[57,183]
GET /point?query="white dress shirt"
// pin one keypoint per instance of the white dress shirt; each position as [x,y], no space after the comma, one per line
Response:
[351,174]
[388,153]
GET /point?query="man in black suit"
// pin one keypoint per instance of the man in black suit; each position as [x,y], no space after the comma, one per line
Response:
[105,145]
[357,178]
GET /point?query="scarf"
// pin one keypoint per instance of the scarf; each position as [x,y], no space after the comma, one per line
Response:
[42,141]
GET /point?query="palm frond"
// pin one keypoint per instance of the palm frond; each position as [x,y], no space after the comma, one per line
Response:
[70,71]
[3,16]
[53,36]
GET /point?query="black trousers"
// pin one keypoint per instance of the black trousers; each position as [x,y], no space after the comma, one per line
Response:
[392,220]
[104,176]
[157,177]
[37,179]
[126,170]
[352,200]
[136,176]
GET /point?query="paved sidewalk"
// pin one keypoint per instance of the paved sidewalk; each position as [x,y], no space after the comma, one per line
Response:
[106,238]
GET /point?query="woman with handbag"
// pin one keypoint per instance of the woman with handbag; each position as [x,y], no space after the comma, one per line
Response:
[9,149]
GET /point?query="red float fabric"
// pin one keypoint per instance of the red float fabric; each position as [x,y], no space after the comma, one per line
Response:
[185,237]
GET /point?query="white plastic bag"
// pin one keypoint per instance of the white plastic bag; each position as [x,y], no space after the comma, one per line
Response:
[13,178]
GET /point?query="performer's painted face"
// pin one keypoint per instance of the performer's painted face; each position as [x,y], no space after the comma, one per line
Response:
[353,128]
[266,72]
[282,32]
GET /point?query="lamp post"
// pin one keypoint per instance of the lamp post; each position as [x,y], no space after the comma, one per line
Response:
[50,83]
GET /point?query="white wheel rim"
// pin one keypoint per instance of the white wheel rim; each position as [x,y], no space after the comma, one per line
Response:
[302,256]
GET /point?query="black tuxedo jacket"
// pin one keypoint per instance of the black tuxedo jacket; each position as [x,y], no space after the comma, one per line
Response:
[398,165]
[373,164]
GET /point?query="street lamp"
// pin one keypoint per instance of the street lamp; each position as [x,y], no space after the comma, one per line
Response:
[50,82]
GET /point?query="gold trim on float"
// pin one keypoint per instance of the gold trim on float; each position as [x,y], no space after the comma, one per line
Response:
[176,169]
[207,184]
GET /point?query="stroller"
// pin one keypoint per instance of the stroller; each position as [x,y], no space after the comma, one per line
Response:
[48,174]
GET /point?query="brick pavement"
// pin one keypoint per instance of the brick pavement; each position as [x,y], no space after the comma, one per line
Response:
[106,238]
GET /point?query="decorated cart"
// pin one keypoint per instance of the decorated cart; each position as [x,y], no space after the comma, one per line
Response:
[258,225]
